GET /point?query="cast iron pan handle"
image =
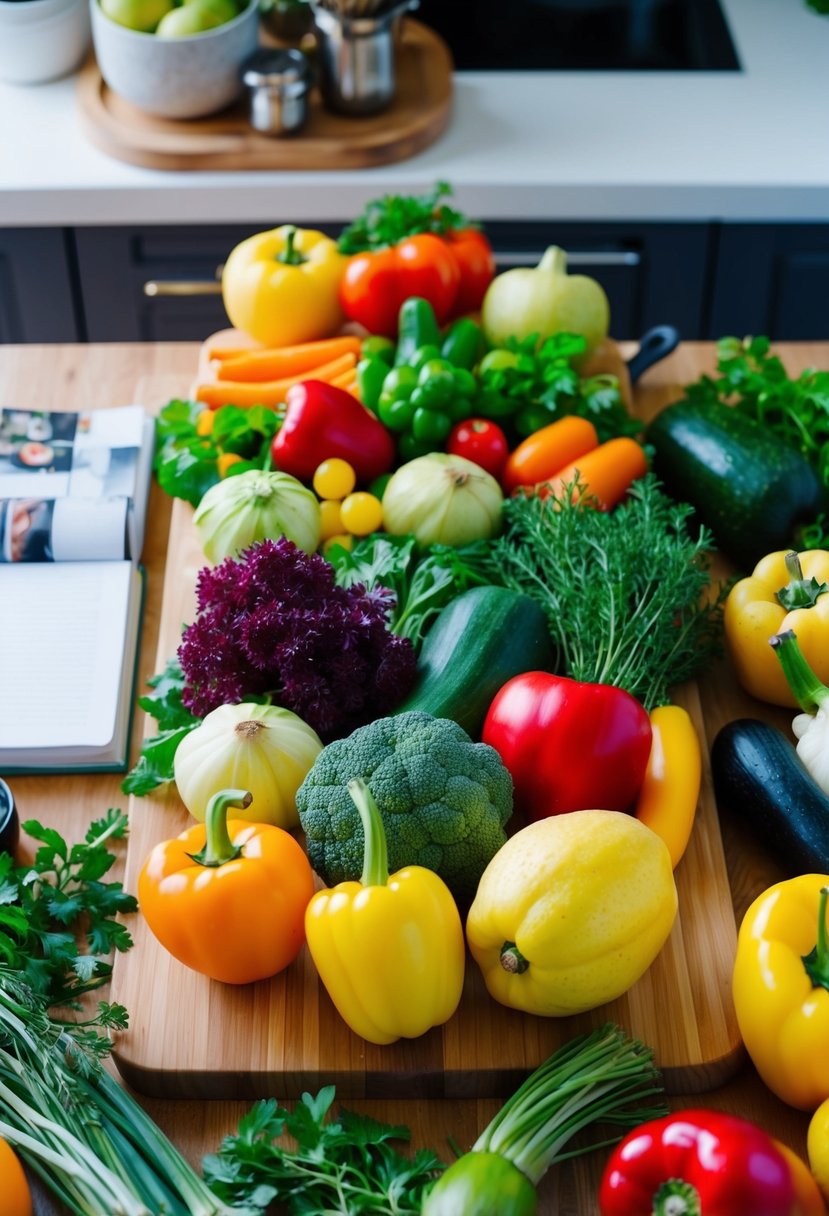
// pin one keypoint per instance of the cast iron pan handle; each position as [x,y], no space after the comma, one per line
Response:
[656,344]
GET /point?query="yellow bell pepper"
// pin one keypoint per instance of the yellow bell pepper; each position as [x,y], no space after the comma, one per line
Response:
[571,911]
[667,800]
[389,949]
[781,989]
[282,287]
[786,590]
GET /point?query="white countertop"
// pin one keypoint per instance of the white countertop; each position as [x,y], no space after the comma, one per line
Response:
[749,145]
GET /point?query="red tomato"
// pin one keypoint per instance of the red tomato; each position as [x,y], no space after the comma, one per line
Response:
[376,283]
[480,440]
[473,254]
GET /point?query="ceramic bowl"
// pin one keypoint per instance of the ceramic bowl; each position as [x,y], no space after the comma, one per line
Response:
[175,77]
[41,40]
[9,823]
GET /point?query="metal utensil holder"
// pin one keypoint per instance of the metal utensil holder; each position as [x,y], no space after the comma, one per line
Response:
[355,55]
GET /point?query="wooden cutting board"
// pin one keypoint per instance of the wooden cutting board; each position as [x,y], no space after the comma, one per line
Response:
[192,1037]
[416,117]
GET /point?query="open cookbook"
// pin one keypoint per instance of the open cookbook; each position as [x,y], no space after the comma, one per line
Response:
[73,503]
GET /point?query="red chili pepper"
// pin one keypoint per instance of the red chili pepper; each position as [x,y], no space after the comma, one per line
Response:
[480,440]
[377,282]
[322,421]
[698,1163]
[473,254]
[569,746]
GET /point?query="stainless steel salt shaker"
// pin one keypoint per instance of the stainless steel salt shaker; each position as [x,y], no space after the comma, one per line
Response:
[278,84]
[356,57]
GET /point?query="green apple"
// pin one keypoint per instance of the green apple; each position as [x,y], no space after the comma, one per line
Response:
[194,17]
[142,15]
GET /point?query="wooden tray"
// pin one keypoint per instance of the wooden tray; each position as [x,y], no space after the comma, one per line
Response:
[417,116]
[191,1037]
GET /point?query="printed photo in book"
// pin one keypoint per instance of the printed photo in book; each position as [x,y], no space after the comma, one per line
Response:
[73,498]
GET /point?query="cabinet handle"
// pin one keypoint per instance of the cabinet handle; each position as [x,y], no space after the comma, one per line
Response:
[532,257]
[181,287]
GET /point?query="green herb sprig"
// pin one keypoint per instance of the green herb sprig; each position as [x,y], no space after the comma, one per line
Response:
[627,593]
[155,763]
[343,1166]
[388,220]
[756,383]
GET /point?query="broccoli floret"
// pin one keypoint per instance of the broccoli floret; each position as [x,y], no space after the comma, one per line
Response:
[444,800]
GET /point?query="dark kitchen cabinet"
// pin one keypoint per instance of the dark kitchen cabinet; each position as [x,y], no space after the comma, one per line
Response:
[161,284]
[772,279]
[38,300]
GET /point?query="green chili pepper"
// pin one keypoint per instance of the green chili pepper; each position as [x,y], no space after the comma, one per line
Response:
[463,344]
[410,448]
[430,426]
[417,326]
[371,374]
[465,383]
[377,347]
[436,380]
[396,413]
[400,382]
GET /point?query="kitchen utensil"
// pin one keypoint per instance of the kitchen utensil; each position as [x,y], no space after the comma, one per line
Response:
[356,57]
[9,823]
[278,84]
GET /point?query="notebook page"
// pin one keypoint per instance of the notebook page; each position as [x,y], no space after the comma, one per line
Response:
[62,638]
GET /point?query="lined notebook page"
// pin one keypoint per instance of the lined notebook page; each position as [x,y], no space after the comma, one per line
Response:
[62,638]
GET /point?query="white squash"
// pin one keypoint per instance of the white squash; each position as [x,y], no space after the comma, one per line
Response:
[443,500]
[260,748]
[253,506]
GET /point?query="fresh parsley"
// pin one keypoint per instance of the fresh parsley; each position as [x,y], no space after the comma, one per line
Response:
[343,1166]
[755,381]
[165,704]
[545,385]
[186,456]
[388,220]
[45,904]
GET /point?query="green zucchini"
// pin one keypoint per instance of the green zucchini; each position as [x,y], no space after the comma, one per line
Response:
[480,640]
[746,485]
[759,776]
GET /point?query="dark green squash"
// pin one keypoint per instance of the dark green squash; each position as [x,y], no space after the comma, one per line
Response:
[478,642]
[746,484]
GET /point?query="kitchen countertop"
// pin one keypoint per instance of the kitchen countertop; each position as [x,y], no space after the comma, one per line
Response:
[748,145]
[102,375]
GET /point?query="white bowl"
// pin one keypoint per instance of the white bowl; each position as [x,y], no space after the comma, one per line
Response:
[175,77]
[41,40]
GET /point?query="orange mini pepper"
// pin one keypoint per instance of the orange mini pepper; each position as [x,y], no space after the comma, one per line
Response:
[228,898]
[14,1189]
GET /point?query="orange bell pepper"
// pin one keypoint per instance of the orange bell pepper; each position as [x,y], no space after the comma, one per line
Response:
[14,1189]
[228,898]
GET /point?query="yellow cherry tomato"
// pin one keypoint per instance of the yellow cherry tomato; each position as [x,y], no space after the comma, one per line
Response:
[343,539]
[226,461]
[330,518]
[334,478]
[204,422]
[817,1144]
[362,513]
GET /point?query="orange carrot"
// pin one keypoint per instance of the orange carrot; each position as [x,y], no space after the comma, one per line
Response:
[606,473]
[245,393]
[546,451]
[278,364]
[345,380]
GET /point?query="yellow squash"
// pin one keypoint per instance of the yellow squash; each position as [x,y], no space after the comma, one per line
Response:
[786,590]
[282,287]
[389,949]
[781,989]
[572,911]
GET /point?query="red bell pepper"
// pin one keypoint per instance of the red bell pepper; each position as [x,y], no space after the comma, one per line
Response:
[377,282]
[322,421]
[569,746]
[702,1163]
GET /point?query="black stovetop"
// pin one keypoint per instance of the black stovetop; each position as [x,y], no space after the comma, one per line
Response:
[583,35]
